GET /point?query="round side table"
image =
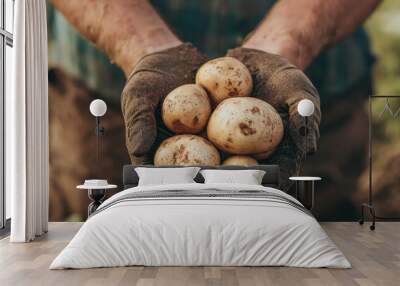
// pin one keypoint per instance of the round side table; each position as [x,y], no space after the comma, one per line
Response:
[305,188]
[96,195]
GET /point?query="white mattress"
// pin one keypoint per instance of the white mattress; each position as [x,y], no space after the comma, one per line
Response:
[185,231]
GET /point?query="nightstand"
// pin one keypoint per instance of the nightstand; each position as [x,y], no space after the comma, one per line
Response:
[305,188]
[96,191]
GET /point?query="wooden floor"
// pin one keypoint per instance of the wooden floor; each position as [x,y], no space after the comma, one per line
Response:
[375,257]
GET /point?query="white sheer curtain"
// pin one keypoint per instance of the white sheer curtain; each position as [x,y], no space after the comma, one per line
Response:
[27,124]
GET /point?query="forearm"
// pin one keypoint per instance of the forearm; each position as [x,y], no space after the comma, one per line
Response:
[125,30]
[300,29]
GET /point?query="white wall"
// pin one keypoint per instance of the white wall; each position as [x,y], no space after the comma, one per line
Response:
[9,59]
[8,87]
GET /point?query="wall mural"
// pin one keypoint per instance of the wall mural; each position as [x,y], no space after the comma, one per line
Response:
[216,125]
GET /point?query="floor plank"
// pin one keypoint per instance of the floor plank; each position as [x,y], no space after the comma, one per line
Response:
[375,257]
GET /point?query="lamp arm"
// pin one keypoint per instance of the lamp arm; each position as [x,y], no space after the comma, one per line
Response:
[306,147]
[99,131]
[305,134]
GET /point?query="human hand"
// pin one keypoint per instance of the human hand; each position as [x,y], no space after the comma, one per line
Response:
[283,86]
[152,78]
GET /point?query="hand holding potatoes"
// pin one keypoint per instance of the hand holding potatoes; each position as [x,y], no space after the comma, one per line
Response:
[232,107]
[153,77]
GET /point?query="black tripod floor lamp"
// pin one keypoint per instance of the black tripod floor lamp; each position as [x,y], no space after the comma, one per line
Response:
[387,109]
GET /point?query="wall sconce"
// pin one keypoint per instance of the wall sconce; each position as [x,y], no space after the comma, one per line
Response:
[98,108]
[305,108]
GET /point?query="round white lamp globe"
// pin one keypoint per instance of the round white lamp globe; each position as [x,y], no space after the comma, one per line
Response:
[305,107]
[98,107]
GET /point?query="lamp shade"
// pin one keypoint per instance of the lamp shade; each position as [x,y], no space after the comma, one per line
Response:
[98,107]
[305,107]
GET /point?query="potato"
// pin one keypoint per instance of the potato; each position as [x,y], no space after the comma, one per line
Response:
[186,109]
[224,78]
[184,150]
[245,125]
[240,160]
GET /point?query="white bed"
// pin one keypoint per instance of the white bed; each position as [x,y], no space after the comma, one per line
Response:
[250,226]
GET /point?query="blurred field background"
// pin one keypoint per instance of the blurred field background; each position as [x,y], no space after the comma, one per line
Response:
[73,83]
[384,31]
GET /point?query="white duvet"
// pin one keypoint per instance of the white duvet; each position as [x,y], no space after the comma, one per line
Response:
[200,231]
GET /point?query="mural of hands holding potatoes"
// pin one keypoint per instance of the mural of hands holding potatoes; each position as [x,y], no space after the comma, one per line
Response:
[210,83]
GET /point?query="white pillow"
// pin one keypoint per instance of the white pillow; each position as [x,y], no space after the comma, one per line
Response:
[165,176]
[247,177]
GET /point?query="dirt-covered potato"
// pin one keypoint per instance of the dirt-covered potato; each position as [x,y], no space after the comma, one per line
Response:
[224,78]
[240,160]
[245,125]
[184,150]
[186,109]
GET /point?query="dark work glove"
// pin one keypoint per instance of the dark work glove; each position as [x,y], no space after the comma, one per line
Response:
[153,77]
[283,86]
